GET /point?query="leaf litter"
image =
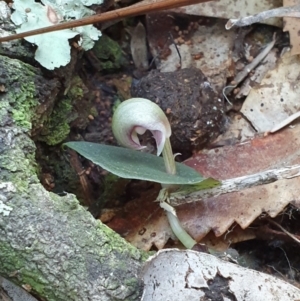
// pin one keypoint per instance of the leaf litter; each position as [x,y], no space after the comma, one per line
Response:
[244,150]
[243,153]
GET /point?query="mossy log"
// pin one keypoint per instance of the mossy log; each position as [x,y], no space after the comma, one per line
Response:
[48,243]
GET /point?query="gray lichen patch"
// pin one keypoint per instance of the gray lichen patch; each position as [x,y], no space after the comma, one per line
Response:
[4,210]
[17,162]
[6,189]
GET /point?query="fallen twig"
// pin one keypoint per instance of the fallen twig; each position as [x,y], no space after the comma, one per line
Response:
[289,11]
[236,184]
[241,75]
[285,231]
[140,8]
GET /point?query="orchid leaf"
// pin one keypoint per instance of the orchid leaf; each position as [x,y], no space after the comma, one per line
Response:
[207,183]
[127,163]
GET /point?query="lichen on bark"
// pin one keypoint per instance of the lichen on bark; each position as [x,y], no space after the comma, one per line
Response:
[48,242]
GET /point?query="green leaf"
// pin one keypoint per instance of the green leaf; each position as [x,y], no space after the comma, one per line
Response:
[127,163]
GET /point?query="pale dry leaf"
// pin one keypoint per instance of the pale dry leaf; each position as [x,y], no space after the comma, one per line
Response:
[238,130]
[152,233]
[292,25]
[227,9]
[206,47]
[277,96]
[138,47]
[234,235]
[218,213]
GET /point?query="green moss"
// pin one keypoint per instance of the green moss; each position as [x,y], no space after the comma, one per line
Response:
[19,80]
[30,278]
[113,188]
[116,104]
[12,261]
[76,88]
[121,246]
[94,112]
[18,105]
[108,52]
[57,128]
[24,105]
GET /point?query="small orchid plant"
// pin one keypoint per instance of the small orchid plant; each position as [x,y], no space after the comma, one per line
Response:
[134,117]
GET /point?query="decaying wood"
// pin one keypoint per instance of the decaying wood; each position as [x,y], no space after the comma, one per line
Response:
[144,7]
[201,276]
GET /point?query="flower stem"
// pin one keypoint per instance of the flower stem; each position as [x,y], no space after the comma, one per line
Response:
[174,222]
[179,232]
[169,157]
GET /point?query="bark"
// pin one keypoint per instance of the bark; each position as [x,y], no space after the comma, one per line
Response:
[48,243]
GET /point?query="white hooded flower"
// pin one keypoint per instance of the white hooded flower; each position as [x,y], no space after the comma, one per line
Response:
[136,115]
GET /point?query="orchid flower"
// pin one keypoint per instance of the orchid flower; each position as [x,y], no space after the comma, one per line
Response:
[136,115]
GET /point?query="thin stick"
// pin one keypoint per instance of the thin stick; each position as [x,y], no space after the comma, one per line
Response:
[177,50]
[183,195]
[141,8]
[241,75]
[285,231]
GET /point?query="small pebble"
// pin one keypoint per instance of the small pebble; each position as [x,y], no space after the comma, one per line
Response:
[197,56]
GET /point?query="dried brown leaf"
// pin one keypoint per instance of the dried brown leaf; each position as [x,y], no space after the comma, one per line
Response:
[224,214]
[220,213]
